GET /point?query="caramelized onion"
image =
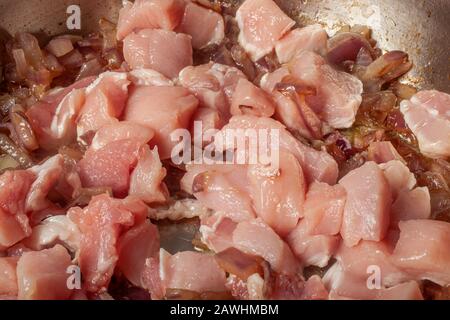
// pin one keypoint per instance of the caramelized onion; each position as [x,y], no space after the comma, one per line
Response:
[238,263]
[108,31]
[297,92]
[53,65]
[388,67]
[403,91]
[17,153]
[346,47]
[74,59]
[30,46]
[7,162]
[22,128]
[6,103]
[59,47]
[375,107]
[243,61]
[291,84]
[90,68]
[21,62]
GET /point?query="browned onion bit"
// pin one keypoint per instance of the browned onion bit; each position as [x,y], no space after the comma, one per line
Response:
[388,67]
[108,31]
[297,92]
[403,91]
[432,291]
[90,68]
[6,103]
[243,61]
[238,263]
[346,47]
[290,84]
[23,130]
[9,147]
[375,108]
[210,4]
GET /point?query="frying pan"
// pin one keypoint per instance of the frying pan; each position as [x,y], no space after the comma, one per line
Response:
[418,27]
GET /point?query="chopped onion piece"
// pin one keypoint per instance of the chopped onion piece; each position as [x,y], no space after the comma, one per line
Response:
[59,47]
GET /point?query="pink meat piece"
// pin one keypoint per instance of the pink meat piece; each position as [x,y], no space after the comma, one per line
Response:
[14,223]
[101,224]
[53,230]
[310,38]
[382,152]
[262,23]
[254,237]
[105,102]
[53,118]
[8,277]
[209,119]
[249,99]
[47,175]
[356,261]
[324,208]
[295,288]
[217,232]
[399,177]
[411,205]
[367,209]
[122,130]
[344,286]
[148,77]
[146,181]
[17,250]
[298,118]
[312,249]
[110,166]
[205,26]
[162,109]
[213,84]
[164,51]
[136,246]
[292,116]
[224,188]
[239,288]
[192,170]
[42,275]
[269,80]
[364,271]
[338,93]
[316,165]
[63,126]
[405,291]
[278,195]
[151,279]
[193,271]
[427,114]
[422,250]
[149,14]
[314,289]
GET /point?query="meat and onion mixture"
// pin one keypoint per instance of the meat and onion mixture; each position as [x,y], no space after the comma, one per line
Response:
[92,201]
